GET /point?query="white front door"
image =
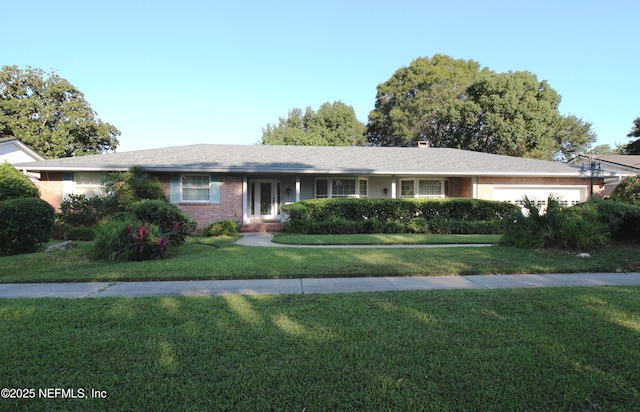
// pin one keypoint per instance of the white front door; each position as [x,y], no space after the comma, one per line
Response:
[266,199]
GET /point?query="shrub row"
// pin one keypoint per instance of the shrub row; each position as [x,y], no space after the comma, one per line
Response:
[397,216]
[399,209]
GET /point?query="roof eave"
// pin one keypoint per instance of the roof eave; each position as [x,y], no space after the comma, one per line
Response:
[268,170]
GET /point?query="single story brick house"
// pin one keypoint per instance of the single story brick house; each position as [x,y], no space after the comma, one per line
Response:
[250,183]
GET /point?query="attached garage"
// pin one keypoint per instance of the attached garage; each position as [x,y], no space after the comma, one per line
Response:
[568,195]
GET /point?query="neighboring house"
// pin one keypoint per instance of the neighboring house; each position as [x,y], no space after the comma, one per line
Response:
[251,183]
[618,166]
[14,151]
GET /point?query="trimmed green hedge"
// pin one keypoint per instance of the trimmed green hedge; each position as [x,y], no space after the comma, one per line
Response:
[397,215]
[26,224]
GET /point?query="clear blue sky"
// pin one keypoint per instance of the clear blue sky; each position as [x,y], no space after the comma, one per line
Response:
[174,73]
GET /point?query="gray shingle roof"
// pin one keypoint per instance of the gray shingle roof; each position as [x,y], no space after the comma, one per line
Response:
[623,160]
[311,159]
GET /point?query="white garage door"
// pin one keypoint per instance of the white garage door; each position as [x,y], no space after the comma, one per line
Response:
[516,194]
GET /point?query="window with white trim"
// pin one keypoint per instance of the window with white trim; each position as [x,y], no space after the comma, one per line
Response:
[422,188]
[430,188]
[362,188]
[195,188]
[90,184]
[322,188]
[407,188]
[341,187]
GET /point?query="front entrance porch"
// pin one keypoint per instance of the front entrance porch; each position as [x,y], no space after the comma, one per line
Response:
[264,201]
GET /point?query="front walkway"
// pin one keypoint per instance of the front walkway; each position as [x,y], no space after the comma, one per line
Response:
[309,285]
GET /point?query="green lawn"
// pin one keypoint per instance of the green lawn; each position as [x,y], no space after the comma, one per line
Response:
[499,350]
[211,258]
[383,239]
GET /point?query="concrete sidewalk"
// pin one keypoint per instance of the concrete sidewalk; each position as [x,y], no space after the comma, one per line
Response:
[265,240]
[309,285]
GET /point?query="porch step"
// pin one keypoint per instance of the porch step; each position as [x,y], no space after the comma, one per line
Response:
[263,227]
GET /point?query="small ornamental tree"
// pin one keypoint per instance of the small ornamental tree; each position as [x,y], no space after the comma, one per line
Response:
[15,185]
[134,185]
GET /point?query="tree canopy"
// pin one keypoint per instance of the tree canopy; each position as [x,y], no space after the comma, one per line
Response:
[456,103]
[574,137]
[409,106]
[51,115]
[334,124]
[633,148]
[606,149]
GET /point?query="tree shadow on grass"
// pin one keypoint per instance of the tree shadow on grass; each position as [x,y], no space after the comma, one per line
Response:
[534,349]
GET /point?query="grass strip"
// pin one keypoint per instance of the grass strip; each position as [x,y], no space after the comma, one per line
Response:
[207,258]
[383,239]
[551,349]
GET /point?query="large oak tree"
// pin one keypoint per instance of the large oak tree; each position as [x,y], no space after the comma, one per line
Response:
[456,103]
[410,105]
[51,115]
[334,124]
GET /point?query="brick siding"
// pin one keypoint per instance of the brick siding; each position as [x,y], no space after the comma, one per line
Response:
[50,186]
[230,206]
[466,187]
